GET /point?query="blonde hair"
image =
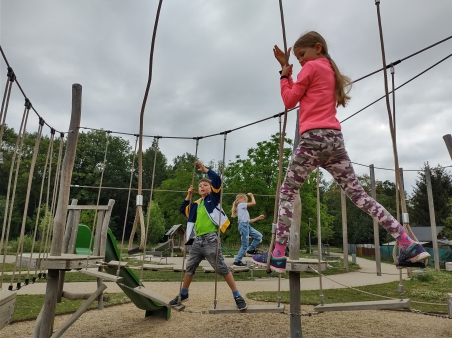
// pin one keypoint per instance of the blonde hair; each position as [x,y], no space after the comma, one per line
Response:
[236,202]
[343,83]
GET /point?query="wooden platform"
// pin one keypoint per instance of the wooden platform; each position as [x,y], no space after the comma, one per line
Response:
[303,264]
[178,268]
[157,297]
[7,301]
[103,275]
[70,261]
[372,305]
[250,309]
[115,264]
[154,267]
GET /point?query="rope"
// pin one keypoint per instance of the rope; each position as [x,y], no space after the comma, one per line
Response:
[93,233]
[127,205]
[46,221]
[20,247]
[54,200]
[49,149]
[219,220]
[189,205]
[139,208]
[5,102]
[19,144]
[156,148]
[282,135]
[393,136]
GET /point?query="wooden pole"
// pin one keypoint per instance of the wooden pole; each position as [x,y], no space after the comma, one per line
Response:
[431,209]
[294,276]
[448,139]
[344,228]
[48,314]
[376,229]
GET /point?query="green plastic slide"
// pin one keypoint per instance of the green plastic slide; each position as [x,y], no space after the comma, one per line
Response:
[130,280]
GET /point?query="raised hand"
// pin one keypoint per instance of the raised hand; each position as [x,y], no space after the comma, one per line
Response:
[201,166]
[280,56]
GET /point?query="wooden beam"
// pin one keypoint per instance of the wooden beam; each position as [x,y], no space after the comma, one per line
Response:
[70,261]
[304,264]
[115,263]
[372,305]
[157,297]
[87,207]
[103,275]
[85,306]
[250,309]
[80,296]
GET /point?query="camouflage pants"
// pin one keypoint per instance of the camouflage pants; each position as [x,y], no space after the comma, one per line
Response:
[325,148]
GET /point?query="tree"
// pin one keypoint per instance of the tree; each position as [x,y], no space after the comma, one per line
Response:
[442,192]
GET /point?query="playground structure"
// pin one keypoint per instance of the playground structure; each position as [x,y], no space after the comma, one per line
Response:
[102,249]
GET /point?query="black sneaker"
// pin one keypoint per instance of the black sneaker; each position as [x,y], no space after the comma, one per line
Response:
[241,304]
[238,264]
[175,301]
[251,253]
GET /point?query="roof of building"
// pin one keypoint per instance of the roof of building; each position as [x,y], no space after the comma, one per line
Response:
[424,234]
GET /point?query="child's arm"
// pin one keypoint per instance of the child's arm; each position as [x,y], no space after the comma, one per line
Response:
[253,201]
[257,218]
[184,206]
[213,176]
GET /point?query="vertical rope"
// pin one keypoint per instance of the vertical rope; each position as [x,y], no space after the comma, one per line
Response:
[392,129]
[51,140]
[8,209]
[395,137]
[127,207]
[93,230]
[189,206]
[5,102]
[219,221]
[281,148]
[46,221]
[19,157]
[156,139]
[139,208]
[20,247]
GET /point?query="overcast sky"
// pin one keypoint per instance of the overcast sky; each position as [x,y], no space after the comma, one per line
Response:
[214,70]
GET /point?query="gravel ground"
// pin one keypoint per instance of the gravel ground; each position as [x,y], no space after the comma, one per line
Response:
[128,321]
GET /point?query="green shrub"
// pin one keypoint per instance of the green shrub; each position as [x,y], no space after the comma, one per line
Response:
[28,242]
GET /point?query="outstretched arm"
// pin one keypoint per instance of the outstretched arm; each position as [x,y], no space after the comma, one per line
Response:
[257,218]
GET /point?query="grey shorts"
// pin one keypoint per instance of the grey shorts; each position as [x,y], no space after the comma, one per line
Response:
[205,246]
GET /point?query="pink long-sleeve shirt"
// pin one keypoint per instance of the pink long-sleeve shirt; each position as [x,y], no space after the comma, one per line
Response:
[314,90]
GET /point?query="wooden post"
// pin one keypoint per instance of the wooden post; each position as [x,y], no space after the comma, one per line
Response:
[319,224]
[344,228]
[448,139]
[294,276]
[376,229]
[69,228]
[431,209]
[48,313]
[449,303]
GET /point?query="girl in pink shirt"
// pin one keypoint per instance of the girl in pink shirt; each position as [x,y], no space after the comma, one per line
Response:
[319,89]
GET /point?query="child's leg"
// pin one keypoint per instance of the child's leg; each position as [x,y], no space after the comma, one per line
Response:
[187,281]
[302,164]
[229,278]
[342,171]
[257,239]
[244,228]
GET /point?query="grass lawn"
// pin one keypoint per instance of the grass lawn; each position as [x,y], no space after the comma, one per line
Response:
[427,288]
